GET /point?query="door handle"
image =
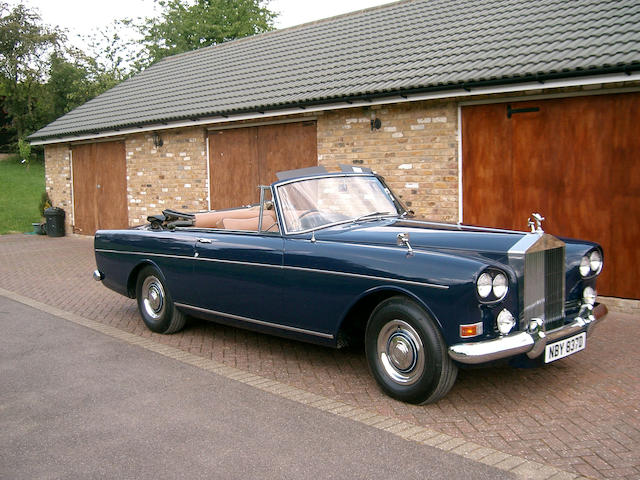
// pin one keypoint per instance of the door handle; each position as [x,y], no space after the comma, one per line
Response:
[204,240]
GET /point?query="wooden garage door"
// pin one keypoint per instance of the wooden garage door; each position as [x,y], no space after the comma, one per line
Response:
[99,187]
[575,160]
[240,159]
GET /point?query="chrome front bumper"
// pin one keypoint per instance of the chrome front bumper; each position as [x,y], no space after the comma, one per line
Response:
[532,343]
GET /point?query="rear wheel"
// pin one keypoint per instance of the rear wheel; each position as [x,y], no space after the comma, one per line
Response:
[407,354]
[155,304]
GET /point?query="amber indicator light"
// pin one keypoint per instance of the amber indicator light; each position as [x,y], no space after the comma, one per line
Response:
[471,330]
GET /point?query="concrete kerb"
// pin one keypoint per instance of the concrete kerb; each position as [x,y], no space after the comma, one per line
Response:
[408,431]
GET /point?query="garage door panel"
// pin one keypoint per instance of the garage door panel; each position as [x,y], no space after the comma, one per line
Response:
[233,167]
[99,187]
[240,159]
[538,174]
[574,160]
[84,186]
[486,179]
[624,255]
[111,173]
[286,147]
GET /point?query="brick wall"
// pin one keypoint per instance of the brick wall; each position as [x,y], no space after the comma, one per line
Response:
[57,174]
[171,176]
[416,150]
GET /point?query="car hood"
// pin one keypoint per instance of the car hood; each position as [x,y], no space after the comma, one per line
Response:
[490,243]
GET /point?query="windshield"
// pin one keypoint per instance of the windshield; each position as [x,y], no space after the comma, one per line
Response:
[316,202]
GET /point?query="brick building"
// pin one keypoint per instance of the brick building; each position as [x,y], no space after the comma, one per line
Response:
[487,112]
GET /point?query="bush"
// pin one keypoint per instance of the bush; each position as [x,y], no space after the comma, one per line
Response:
[45,202]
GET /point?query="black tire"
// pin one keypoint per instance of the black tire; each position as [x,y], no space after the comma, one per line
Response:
[156,307]
[407,354]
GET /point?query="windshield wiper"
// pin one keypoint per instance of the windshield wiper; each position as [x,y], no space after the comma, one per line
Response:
[373,214]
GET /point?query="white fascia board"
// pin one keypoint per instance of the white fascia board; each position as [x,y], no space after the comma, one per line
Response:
[454,93]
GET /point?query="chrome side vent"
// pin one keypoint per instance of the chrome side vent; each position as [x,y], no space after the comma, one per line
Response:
[542,289]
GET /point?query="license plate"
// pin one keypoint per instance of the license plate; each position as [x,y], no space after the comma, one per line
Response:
[564,348]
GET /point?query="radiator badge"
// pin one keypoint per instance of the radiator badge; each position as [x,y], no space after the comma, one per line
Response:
[536,224]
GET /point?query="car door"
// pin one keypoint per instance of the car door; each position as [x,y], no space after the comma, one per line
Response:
[239,275]
[322,281]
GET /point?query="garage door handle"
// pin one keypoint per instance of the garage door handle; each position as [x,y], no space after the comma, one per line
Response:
[511,111]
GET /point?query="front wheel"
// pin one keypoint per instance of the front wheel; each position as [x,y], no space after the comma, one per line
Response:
[407,354]
[155,304]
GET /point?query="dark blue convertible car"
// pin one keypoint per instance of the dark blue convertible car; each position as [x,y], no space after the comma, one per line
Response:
[334,258]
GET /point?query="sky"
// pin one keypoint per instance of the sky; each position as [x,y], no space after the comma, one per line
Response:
[84,17]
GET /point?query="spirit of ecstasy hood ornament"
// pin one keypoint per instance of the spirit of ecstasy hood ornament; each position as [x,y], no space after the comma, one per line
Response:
[537,226]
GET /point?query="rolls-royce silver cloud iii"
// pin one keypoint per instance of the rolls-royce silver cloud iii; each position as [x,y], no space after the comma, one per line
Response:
[335,258]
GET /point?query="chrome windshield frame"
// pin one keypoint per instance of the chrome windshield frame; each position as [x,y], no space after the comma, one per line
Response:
[278,204]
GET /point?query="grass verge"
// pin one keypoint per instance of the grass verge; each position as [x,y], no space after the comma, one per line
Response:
[20,191]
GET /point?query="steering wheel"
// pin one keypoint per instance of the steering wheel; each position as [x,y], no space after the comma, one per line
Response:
[311,218]
[307,212]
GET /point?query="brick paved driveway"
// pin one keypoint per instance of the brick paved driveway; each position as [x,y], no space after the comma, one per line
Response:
[581,414]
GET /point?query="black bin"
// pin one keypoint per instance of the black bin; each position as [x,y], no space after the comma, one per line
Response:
[55,221]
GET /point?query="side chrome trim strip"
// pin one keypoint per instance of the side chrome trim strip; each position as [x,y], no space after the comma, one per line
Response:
[257,322]
[369,277]
[299,269]
[146,254]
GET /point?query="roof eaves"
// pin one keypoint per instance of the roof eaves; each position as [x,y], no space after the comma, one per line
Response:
[404,92]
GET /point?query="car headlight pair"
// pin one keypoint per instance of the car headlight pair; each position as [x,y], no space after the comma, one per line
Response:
[492,285]
[591,264]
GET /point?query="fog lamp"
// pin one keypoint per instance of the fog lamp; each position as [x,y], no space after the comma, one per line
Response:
[505,322]
[589,295]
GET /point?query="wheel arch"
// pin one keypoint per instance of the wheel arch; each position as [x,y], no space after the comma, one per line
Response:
[354,322]
[133,275]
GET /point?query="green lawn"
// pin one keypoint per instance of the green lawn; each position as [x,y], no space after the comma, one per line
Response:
[20,192]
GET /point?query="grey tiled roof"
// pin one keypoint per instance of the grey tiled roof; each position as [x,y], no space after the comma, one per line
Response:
[401,47]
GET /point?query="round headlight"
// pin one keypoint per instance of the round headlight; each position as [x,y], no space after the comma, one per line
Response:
[500,286]
[484,285]
[585,266]
[505,321]
[589,295]
[595,261]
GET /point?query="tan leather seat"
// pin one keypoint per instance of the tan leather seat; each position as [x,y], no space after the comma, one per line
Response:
[215,219]
[251,224]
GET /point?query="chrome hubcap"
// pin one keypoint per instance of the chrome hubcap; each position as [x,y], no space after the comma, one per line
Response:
[153,297]
[401,352]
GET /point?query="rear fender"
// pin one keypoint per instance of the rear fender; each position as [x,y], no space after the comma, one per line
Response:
[133,276]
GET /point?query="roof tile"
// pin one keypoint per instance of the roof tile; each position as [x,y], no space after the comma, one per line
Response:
[412,44]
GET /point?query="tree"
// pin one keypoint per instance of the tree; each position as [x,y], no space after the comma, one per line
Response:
[184,26]
[25,45]
[75,78]
[112,52]
[41,78]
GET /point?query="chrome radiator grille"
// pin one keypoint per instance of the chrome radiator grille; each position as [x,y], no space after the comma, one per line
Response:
[544,284]
[539,259]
